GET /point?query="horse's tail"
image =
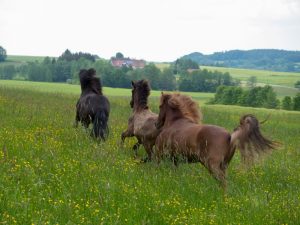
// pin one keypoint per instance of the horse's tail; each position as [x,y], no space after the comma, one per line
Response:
[100,127]
[248,138]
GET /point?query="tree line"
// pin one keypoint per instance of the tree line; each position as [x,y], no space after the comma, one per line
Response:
[265,59]
[264,97]
[183,75]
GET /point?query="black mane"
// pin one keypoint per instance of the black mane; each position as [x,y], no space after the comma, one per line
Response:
[142,90]
[89,82]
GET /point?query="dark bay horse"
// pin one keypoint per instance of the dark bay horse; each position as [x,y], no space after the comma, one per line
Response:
[92,106]
[213,146]
[141,123]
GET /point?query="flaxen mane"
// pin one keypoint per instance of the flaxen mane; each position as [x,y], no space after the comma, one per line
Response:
[142,90]
[188,107]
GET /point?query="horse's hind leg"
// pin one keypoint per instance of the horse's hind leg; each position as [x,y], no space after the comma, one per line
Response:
[148,148]
[125,134]
[136,147]
[129,131]
[76,119]
[217,169]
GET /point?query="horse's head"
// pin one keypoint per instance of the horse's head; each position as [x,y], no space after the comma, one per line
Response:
[89,81]
[163,108]
[139,94]
[181,106]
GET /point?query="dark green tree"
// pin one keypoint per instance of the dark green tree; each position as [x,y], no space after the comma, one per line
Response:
[297,84]
[7,72]
[38,72]
[296,101]
[2,54]
[251,82]
[152,73]
[182,65]
[167,80]
[119,55]
[287,103]
[186,85]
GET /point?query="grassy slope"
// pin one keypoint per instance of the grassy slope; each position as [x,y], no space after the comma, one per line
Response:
[18,60]
[23,58]
[282,82]
[56,174]
[75,89]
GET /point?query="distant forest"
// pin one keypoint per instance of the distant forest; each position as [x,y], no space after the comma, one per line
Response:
[265,59]
[183,74]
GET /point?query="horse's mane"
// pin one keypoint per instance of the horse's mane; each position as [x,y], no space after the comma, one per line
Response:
[185,104]
[89,81]
[142,90]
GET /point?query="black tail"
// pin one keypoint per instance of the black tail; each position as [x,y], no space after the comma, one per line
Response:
[100,127]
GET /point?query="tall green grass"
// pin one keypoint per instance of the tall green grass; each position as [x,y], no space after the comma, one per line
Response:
[52,173]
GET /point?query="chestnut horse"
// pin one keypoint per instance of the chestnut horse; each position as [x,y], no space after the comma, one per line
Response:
[213,146]
[141,123]
[92,106]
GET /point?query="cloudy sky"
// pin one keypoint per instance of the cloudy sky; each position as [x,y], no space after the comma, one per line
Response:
[155,30]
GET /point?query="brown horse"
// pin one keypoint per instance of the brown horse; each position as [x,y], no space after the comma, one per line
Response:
[142,122]
[213,146]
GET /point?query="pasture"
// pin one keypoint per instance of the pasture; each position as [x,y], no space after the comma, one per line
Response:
[52,173]
[282,82]
[18,60]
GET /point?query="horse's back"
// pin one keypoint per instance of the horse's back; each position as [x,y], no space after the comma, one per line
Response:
[89,104]
[144,123]
[195,140]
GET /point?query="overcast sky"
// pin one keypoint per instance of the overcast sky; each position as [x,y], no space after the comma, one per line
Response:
[154,30]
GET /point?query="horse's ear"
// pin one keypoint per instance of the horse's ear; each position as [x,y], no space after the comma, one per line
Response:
[132,83]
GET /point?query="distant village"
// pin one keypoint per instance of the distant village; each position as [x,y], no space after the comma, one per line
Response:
[127,62]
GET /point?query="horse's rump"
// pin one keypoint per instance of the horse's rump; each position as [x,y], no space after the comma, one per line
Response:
[193,141]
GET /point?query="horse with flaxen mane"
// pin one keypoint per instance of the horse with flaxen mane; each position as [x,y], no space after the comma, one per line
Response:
[92,106]
[213,146]
[141,123]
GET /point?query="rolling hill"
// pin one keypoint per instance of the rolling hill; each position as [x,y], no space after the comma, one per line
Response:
[264,59]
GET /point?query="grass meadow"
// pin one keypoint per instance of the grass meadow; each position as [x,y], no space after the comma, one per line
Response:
[282,82]
[18,60]
[52,173]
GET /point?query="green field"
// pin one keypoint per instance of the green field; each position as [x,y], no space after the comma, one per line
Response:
[263,76]
[18,60]
[282,82]
[52,173]
[64,88]
[24,59]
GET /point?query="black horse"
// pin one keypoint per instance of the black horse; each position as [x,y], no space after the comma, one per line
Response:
[92,106]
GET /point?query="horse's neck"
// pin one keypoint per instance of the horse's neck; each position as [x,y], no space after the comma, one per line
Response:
[172,117]
[140,109]
[90,91]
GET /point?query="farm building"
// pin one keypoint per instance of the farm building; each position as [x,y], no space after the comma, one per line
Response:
[134,63]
